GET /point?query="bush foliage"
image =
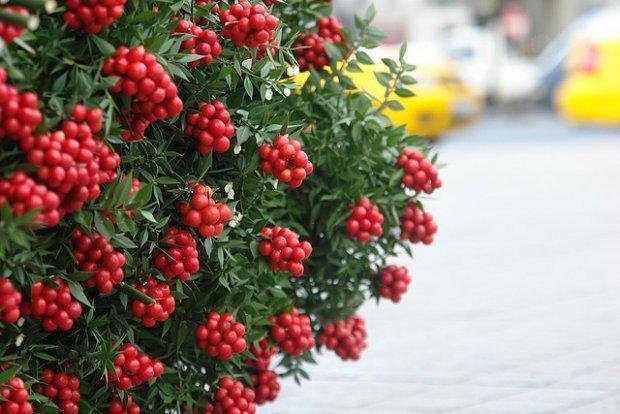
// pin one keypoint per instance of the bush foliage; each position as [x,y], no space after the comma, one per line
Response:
[352,146]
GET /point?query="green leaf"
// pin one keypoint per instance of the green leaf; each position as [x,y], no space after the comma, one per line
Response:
[78,292]
[104,46]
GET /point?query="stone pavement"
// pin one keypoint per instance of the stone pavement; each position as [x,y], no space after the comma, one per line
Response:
[515,308]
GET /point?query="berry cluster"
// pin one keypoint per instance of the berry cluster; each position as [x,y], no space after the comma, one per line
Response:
[364,221]
[271,2]
[95,254]
[309,47]
[23,195]
[132,368]
[221,336]
[159,311]
[180,258]
[54,305]
[420,174]
[119,407]
[14,397]
[329,28]
[62,389]
[92,15]
[265,385]
[285,160]
[393,282]
[211,127]
[346,337]
[10,300]
[262,355]
[283,250]
[72,161]
[292,332]
[203,42]
[232,397]
[249,25]
[143,78]
[416,225]
[204,213]
[19,112]
[11,31]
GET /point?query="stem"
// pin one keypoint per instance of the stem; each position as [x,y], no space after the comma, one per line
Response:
[135,293]
[48,5]
[30,22]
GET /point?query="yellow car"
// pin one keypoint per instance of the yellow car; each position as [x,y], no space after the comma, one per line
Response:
[441,100]
[591,91]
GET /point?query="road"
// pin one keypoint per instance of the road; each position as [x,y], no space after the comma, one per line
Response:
[514,308]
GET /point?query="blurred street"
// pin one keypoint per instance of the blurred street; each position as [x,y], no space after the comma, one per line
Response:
[514,308]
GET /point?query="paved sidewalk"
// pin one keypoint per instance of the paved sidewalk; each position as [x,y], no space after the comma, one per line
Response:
[514,309]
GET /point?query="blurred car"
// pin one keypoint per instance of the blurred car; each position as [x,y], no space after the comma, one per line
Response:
[591,91]
[441,99]
[485,61]
[594,25]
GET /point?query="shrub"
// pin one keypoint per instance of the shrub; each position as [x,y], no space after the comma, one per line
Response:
[141,186]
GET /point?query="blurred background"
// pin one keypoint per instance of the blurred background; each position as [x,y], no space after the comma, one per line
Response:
[514,308]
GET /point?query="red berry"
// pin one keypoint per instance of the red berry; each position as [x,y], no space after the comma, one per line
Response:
[393,282]
[14,397]
[420,174]
[179,258]
[204,42]
[346,337]
[211,127]
[24,194]
[265,385]
[127,407]
[19,112]
[54,305]
[286,161]
[292,332]
[61,388]
[92,15]
[133,368]
[364,221]
[221,336]
[10,31]
[231,397]
[309,48]
[161,310]
[95,254]
[199,213]
[283,250]
[10,301]
[416,225]
[248,25]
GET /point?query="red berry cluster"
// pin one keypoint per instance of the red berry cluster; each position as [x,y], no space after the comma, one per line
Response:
[203,42]
[95,254]
[283,250]
[10,300]
[92,15]
[262,355]
[119,407]
[265,385]
[292,332]
[211,127]
[132,368]
[14,397]
[159,311]
[143,78]
[72,161]
[204,213]
[309,47]
[416,225]
[393,282]
[62,389]
[221,336]
[249,25]
[329,29]
[232,397]
[23,195]
[11,31]
[420,174]
[364,221]
[180,259]
[54,305]
[19,112]
[271,2]
[347,337]
[286,161]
